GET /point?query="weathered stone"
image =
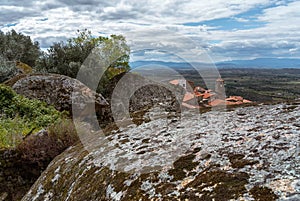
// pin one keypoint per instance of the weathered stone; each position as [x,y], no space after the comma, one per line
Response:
[133,94]
[59,91]
[191,158]
[144,92]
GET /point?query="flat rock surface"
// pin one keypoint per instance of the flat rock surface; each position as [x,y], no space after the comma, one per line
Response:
[250,153]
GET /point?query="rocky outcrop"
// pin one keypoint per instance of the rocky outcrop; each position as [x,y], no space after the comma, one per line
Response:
[10,82]
[132,94]
[144,92]
[248,154]
[151,95]
[59,91]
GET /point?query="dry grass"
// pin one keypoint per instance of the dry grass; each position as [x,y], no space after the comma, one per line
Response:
[43,147]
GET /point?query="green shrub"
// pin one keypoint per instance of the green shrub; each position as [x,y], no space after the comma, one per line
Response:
[20,116]
[11,131]
[31,110]
[6,96]
[7,69]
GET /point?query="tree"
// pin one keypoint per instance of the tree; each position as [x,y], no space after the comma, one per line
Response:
[18,47]
[7,69]
[67,58]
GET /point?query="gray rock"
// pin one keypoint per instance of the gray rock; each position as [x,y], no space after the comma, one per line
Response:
[59,91]
[199,156]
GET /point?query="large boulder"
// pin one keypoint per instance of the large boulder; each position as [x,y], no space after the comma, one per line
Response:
[60,91]
[131,93]
[247,154]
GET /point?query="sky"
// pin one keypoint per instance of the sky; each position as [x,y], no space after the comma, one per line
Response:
[169,30]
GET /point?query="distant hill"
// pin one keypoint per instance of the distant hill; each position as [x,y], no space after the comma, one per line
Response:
[261,63]
[159,63]
[255,63]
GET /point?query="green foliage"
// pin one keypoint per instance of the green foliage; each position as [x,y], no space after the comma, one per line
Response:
[6,96]
[20,116]
[7,69]
[12,131]
[67,58]
[18,47]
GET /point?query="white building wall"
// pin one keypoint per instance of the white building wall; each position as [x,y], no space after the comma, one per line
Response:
[182,83]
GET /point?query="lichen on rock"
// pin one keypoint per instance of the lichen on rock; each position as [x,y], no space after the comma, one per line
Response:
[221,158]
[60,91]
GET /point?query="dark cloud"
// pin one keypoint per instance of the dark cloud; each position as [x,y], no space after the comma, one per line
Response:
[84,2]
[13,11]
[17,3]
[10,16]
[120,15]
[83,5]
[49,6]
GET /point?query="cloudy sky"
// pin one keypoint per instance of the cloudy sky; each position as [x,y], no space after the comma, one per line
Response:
[186,29]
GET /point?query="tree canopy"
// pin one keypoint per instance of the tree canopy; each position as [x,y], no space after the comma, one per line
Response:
[63,58]
[18,47]
[67,57]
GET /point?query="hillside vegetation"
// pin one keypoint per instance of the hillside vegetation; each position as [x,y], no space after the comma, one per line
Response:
[21,116]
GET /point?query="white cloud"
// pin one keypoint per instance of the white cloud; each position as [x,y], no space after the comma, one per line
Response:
[157,24]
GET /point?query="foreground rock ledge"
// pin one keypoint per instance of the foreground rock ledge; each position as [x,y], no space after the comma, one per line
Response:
[248,154]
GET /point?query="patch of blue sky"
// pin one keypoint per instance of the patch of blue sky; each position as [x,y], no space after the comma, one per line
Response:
[154,55]
[10,25]
[229,24]
[44,19]
[253,13]
[215,41]
[242,21]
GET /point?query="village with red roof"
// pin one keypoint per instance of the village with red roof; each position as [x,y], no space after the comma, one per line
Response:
[198,97]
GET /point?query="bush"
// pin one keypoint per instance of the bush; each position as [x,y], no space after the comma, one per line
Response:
[64,132]
[7,69]
[12,104]
[18,47]
[20,116]
[12,131]
[66,58]
[44,147]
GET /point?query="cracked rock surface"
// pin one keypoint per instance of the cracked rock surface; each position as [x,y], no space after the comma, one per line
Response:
[251,153]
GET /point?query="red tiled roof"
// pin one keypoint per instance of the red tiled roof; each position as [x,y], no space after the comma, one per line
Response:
[190,106]
[217,102]
[175,82]
[207,95]
[188,96]
[235,98]
[247,101]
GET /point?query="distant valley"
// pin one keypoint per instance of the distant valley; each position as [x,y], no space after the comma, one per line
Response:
[255,63]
